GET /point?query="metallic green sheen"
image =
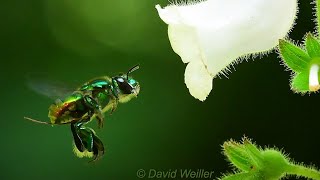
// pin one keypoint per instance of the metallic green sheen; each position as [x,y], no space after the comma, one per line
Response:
[132,81]
[103,99]
[87,138]
[74,97]
[59,112]
[95,84]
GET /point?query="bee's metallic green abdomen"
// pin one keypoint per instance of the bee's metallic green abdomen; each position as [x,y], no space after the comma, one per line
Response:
[67,111]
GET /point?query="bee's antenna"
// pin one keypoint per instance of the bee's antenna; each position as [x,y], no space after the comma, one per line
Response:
[136,67]
[36,121]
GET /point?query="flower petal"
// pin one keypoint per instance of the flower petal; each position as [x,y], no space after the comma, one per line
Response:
[184,42]
[198,80]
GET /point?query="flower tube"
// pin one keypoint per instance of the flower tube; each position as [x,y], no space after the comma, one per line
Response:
[213,35]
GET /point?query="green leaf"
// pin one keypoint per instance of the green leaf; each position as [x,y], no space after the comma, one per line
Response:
[253,150]
[237,155]
[312,46]
[300,82]
[295,57]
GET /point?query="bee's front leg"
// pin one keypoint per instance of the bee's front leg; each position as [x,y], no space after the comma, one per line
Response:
[114,98]
[114,105]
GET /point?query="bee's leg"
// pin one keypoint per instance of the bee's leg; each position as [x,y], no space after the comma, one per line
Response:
[90,142]
[76,137]
[93,104]
[114,97]
[84,119]
[76,131]
[100,119]
[113,89]
[90,102]
[98,148]
[86,135]
[83,141]
[114,105]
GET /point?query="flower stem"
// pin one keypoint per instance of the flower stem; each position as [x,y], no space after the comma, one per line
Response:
[300,170]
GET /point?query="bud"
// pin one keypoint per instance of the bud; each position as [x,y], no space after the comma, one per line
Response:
[245,157]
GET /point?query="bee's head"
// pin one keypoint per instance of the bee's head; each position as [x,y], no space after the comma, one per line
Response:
[127,86]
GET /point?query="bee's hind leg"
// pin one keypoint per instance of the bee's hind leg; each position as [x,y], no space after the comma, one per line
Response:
[76,137]
[98,148]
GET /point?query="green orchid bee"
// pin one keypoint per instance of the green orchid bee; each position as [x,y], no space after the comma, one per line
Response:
[91,101]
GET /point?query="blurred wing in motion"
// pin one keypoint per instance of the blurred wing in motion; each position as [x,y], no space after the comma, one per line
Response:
[47,87]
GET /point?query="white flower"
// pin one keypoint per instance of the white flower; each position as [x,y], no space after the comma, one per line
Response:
[212,35]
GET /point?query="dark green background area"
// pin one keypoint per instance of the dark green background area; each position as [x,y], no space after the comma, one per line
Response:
[165,127]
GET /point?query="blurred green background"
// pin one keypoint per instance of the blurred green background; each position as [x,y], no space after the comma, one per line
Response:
[165,127]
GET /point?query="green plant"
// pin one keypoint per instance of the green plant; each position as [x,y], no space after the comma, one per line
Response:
[254,163]
[303,60]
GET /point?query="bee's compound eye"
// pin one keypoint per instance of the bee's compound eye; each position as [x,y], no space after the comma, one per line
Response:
[120,80]
[124,86]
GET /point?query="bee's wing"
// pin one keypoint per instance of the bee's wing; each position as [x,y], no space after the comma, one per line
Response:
[50,88]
